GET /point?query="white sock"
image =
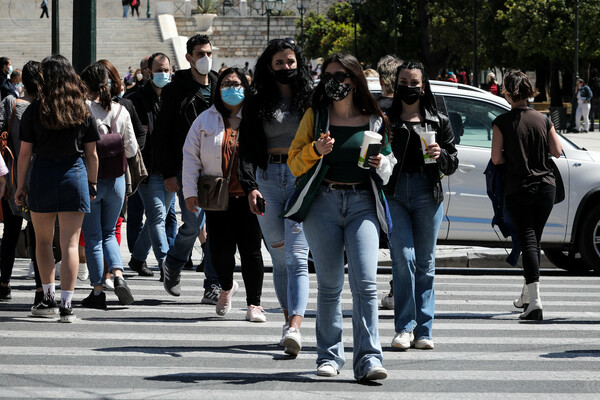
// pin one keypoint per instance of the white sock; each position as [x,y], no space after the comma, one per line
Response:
[65,298]
[49,290]
[98,293]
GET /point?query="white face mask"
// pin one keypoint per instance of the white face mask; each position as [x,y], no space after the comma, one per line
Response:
[139,77]
[204,65]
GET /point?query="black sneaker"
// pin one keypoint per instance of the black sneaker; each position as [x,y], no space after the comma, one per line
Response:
[211,295]
[5,293]
[45,308]
[122,291]
[172,282]
[39,297]
[67,315]
[93,301]
[140,267]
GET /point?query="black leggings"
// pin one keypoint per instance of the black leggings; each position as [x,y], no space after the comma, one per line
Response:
[237,227]
[529,210]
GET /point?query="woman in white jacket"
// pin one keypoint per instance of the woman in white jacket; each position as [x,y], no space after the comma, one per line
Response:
[99,225]
[211,150]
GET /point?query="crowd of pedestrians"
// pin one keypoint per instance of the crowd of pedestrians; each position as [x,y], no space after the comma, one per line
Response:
[279,158]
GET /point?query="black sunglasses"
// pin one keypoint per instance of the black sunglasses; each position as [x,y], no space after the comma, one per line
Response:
[287,40]
[339,76]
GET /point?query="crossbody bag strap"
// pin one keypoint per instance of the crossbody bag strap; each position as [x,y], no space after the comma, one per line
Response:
[114,121]
[233,156]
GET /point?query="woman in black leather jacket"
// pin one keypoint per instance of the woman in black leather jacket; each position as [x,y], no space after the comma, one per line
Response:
[415,199]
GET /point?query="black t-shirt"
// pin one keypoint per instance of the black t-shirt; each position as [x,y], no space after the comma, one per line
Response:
[413,159]
[525,136]
[59,142]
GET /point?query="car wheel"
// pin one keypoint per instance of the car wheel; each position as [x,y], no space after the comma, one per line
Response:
[562,260]
[589,239]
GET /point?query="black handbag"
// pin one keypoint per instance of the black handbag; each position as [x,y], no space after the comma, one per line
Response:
[213,191]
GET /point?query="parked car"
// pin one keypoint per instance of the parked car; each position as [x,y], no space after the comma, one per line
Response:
[573,227]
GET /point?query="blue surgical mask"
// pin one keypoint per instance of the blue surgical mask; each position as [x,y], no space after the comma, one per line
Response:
[232,95]
[161,79]
[10,70]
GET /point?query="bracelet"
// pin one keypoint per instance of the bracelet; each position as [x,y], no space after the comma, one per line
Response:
[315,149]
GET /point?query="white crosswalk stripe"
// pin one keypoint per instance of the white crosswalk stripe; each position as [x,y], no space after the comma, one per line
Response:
[168,347]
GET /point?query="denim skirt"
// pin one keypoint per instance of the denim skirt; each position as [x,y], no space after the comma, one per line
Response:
[58,185]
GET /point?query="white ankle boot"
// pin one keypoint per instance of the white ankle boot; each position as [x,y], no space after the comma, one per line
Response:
[534,309]
[523,300]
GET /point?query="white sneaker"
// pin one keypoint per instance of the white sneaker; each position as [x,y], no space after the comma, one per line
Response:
[82,273]
[292,342]
[109,285]
[327,370]
[255,314]
[423,344]
[387,302]
[403,340]
[375,374]
[31,272]
[283,333]
[225,296]
[57,270]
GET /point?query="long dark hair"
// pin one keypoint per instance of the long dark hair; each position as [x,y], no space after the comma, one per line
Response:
[31,77]
[362,98]
[266,92]
[218,102]
[116,85]
[427,100]
[62,101]
[95,78]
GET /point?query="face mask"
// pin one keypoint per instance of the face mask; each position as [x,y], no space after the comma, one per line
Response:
[19,85]
[203,65]
[285,76]
[232,95]
[161,79]
[122,93]
[10,70]
[139,76]
[337,91]
[408,94]
[109,85]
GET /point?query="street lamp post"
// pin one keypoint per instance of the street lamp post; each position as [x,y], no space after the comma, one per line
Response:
[147,10]
[302,6]
[355,4]
[576,63]
[396,6]
[270,7]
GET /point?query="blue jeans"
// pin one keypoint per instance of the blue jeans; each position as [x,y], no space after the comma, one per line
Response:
[416,218]
[347,219]
[155,198]
[187,234]
[99,229]
[171,223]
[290,257]
[125,11]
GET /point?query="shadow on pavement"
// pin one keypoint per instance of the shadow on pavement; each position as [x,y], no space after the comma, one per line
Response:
[573,354]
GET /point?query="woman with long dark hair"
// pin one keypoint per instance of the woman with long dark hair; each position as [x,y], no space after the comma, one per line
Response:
[60,132]
[99,225]
[522,140]
[347,212]
[415,198]
[282,88]
[211,149]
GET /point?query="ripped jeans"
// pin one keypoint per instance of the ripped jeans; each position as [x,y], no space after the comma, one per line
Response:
[285,239]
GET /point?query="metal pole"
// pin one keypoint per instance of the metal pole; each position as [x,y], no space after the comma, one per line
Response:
[355,42]
[302,27]
[396,27]
[55,28]
[475,67]
[148,10]
[576,63]
[268,27]
[84,33]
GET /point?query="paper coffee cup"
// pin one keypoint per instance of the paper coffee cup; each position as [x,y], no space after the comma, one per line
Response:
[368,139]
[427,138]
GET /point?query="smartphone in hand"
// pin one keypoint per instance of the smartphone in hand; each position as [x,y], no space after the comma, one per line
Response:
[260,204]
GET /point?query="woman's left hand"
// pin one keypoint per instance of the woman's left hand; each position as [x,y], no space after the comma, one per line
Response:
[191,203]
[375,161]
[434,150]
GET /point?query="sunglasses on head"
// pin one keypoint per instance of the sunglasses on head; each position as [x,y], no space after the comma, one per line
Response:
[339,76]
[288,40]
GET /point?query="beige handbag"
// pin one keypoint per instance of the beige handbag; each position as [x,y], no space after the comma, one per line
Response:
[213,191]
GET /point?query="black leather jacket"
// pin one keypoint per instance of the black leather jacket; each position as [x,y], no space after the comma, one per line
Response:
[446,163]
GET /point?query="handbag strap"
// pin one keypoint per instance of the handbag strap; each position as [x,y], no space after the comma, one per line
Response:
[233,156]
[114,121]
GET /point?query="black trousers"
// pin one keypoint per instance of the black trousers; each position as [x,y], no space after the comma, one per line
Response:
[529,210]
[237,226]
[594,112]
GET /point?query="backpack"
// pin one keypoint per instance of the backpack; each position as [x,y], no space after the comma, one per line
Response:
[112,162]
[134,3]
[9,156]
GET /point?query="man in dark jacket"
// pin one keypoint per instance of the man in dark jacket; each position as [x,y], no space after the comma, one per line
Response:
[189,94]
[5,71]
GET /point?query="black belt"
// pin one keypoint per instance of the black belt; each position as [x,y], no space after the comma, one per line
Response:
[278,158]
[342,186]
[414,169]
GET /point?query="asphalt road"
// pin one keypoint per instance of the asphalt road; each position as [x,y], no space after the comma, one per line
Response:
[167,347]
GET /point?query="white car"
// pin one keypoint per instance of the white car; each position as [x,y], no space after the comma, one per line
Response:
[574,224]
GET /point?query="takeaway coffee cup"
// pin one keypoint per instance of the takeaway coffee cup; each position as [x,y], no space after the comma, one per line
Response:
[371,145]
[427,137]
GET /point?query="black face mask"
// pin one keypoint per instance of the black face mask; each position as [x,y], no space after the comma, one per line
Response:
[408,94]
[285,76]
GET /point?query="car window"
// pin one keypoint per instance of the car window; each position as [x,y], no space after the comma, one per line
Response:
[471,120]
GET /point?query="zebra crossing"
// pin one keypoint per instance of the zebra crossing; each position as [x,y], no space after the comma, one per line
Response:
[168,347]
